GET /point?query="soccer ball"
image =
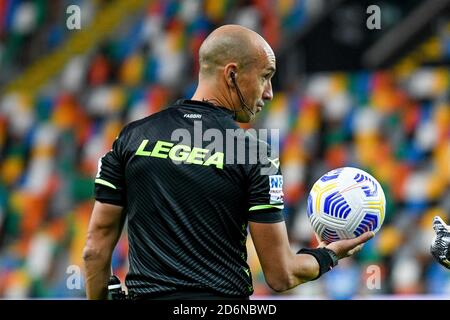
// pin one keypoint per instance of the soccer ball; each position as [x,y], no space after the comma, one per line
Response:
[344,203]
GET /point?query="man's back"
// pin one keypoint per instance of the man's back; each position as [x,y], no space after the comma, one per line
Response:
[189,204]
[187,219]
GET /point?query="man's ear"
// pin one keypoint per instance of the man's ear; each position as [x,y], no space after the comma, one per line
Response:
[230,73]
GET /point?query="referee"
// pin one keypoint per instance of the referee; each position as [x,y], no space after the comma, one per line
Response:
[188,206]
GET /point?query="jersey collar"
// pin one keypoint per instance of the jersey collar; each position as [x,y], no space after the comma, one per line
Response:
[203,105]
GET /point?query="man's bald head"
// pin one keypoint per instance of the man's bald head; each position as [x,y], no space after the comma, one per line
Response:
[230,43]
[236,68]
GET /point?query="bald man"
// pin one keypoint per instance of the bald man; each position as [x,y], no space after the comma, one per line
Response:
[189,202]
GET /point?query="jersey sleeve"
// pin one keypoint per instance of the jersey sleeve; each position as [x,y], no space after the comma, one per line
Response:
[266,192]
[109,181]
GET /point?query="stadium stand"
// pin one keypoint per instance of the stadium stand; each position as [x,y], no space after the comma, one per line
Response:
[392,122]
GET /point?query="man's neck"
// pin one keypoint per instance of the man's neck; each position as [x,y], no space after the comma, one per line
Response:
[212,97]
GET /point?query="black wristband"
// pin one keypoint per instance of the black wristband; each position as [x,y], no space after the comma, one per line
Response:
[326,258]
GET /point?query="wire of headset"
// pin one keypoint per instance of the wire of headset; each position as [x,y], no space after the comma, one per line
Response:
[239,93]
[241,97]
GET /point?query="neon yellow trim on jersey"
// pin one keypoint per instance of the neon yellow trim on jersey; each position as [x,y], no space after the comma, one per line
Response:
[105,183]
[266,206]
[275,162]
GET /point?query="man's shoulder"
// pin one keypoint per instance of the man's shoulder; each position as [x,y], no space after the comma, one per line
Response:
[149,120]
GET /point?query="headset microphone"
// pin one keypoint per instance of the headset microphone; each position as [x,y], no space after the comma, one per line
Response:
[241,98]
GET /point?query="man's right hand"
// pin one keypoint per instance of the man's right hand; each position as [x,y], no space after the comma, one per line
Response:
[348,247]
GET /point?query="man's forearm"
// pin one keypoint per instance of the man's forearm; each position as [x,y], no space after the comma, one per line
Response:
[306,268]
[98,272]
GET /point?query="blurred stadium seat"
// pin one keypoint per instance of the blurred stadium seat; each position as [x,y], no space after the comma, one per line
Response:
[59,118]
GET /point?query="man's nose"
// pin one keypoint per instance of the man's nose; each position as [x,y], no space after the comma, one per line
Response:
[268,94]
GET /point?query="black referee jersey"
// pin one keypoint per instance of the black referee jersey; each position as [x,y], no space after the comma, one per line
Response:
[188,206]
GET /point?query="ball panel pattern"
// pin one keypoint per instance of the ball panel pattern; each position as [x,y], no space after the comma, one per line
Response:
[344,203]
[336,206]
[370,190]
[329,235]
[369,223]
